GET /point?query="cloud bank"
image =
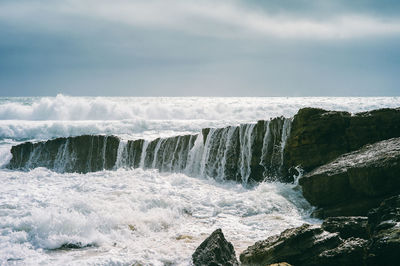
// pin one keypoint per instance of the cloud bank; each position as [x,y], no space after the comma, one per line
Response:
[202,47]
[230,19]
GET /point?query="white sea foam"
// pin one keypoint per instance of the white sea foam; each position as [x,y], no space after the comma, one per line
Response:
[128,216]
[43,118]
[163,108]
[134,216]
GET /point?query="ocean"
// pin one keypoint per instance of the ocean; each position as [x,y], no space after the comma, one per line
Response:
[142,216]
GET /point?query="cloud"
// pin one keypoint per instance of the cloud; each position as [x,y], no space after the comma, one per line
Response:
[218,19]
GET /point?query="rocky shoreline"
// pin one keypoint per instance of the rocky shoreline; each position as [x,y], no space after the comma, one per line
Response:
[351,165]
[348,166]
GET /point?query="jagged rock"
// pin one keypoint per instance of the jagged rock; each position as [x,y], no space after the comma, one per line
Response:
[351,251]
[384,226]
[319,136]
[355,182]
[353,226]
[297,246]
[215,251]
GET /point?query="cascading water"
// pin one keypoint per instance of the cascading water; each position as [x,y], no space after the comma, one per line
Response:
[240,153]
[102,197]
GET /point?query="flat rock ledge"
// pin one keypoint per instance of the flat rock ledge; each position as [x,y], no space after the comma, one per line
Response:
[355,182]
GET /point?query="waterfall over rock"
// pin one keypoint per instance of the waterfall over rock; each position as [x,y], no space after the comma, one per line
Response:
[82,154]
[240,153]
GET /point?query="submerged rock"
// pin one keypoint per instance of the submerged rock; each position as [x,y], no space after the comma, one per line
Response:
[319,136]
[74,245]
[355,182]
[215,250]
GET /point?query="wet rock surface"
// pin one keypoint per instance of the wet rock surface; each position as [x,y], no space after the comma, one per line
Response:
[355,182]
[353,226]
[305,245]
[215,251]
[81,154]
[384,226]
[372,240]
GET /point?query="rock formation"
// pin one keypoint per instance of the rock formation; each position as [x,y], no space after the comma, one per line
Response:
[384,227]
[318,136]
[372,240]
[306,245]
[244,153]
[215,251]
[355,182]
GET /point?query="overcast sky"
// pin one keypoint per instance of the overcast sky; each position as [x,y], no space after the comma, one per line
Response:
[200,48]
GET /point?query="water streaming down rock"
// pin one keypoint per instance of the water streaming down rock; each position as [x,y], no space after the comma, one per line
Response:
[82,154]
[240,153]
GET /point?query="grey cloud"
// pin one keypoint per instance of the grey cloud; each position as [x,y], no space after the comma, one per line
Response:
[226,49]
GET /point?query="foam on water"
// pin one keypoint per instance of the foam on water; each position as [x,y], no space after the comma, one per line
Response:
[49,117]
[126,216]
[163,108]
[129,216]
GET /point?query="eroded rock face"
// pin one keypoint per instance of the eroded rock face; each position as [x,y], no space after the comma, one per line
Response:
[384,226]
[355,182]
[319,136]
[215,250]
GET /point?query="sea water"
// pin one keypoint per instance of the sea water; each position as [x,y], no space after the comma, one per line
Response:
[129,216]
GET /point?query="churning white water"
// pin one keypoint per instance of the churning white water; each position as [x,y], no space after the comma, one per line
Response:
[127,216]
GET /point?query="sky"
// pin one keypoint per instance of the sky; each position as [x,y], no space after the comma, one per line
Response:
[200,48]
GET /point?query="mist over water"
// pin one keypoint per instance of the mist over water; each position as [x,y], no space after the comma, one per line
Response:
[126,216]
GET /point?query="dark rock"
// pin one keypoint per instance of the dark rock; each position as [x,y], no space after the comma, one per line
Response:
[81,154]
[372,240]
[297,246]
[353,226]
[355,182]
[134,152]
[215,250]
[74,245]
[384,226]
[351,251]
[318,136]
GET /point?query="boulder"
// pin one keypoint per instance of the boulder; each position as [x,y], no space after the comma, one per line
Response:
[306,245]
[318,136]
[384,227]
[355,182]
[215,250]
[352,226]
